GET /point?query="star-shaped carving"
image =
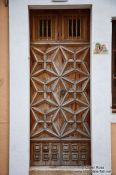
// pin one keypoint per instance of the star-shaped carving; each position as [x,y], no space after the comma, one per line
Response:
[59,101]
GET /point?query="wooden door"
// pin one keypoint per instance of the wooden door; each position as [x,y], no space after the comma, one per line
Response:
[60,87]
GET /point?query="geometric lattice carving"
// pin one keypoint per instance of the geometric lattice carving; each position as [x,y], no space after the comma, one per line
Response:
[60,105]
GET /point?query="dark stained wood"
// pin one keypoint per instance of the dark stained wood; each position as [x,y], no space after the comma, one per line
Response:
[114,66]
[60,89]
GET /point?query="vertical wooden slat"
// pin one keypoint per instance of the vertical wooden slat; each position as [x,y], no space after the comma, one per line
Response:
[76,27]
[72,26]
[52,28]
[33,28]
[62,28]
[68,27]
[80,28]
[47,26]
[42,27]
[38,28]
[85,24]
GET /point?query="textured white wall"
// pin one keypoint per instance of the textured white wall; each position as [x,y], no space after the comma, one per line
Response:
[101,116]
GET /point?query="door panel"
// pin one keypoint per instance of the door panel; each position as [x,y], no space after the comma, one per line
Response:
[60,99]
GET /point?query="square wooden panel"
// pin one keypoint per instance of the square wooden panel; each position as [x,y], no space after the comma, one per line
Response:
[36,156]
[75,156]
[54,157]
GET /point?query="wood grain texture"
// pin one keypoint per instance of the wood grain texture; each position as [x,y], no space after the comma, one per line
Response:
[60,91]
[63,25]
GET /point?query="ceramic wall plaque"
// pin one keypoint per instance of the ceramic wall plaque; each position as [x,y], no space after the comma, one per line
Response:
[101,48]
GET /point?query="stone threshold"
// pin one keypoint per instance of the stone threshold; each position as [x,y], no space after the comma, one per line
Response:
[60,170]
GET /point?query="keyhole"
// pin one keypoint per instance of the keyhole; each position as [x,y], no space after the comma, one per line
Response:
[62,92]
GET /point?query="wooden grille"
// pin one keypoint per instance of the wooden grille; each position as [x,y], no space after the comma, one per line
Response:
[44,27]
[72,27]
[60,98]
[75,28]
[54,26]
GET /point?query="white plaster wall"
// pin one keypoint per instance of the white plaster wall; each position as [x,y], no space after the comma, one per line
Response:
[19,88]
[101,115]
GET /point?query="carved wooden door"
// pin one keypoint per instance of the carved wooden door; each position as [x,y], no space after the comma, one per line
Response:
[60,88]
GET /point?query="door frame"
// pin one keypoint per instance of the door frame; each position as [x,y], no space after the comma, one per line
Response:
[20,88]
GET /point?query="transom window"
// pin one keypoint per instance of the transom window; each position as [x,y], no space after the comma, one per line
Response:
[45,26]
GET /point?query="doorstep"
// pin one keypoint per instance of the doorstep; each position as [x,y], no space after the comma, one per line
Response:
[60,170]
